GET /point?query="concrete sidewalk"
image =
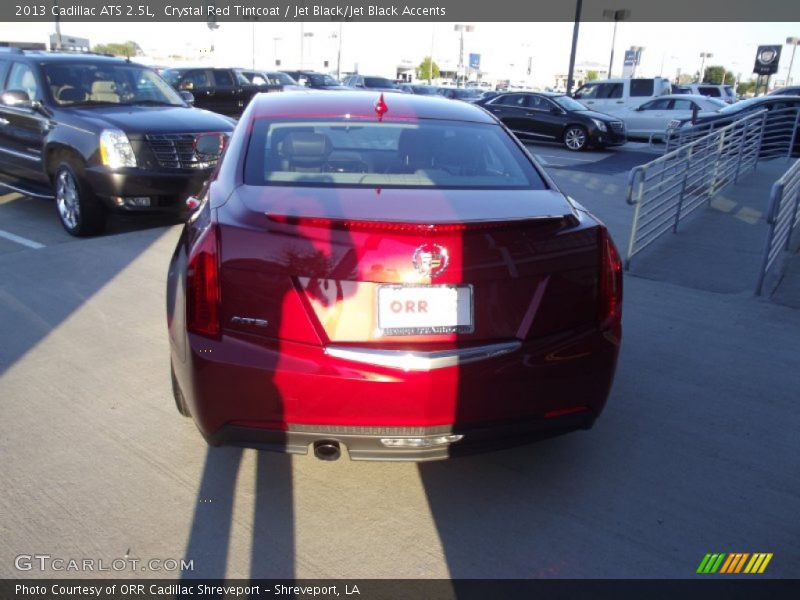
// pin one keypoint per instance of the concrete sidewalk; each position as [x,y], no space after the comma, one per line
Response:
[719,248]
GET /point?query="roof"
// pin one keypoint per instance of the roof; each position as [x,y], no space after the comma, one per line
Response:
[337,104]
[73,57]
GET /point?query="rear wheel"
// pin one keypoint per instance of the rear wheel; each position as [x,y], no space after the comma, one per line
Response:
[177,394]
[576,138]
[79,210]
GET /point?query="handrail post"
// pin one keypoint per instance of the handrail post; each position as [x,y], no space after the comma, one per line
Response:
[760,139]
[775,200]
[683,191]
[741,151]
[794,133]
[635,172]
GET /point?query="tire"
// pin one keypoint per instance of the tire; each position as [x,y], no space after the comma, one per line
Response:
[576,138]
[79,210]
[177,394]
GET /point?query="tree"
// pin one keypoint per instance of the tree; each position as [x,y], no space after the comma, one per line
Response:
[425,67]
[685,78]
[746,87]
[126,49]
[714,75]
[591,75]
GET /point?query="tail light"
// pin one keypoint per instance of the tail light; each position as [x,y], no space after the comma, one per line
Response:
[610,286]
[202,285]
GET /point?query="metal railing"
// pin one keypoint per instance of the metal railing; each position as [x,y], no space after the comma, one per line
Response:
[779,137]
[668,189]
[783,217]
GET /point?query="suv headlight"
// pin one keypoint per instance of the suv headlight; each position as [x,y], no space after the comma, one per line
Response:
[116,150]
[601,125]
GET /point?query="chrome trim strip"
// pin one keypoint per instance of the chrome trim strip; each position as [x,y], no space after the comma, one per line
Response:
[530,133]
[21,154]
[423,361]
[26,192]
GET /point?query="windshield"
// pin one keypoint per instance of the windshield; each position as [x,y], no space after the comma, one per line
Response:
[379,82]
[568,103]
[282,78]
[742,105]
[317,79]
[83,83]
[424,90]
[368,153]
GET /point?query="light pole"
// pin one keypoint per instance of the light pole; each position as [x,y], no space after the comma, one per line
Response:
[793,41]
[275,41]
[616,16]
[575,28]
[252,20]
[703,57]
[460,27]
[430,66]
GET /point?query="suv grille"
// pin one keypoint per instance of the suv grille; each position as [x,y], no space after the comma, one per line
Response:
[176,151]
[617,126]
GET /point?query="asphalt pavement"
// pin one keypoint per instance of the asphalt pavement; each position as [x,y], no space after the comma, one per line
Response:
[696,452]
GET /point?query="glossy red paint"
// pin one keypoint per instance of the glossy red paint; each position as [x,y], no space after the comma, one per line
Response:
[299,269]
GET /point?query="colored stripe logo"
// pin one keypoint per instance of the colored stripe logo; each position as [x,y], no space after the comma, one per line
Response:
[731,564]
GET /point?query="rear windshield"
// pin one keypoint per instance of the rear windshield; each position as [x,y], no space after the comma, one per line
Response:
[376,82]
[425,153]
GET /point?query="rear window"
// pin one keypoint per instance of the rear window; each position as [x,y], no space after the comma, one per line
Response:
[347,153]
[706,90]
[641,87]
[378,82]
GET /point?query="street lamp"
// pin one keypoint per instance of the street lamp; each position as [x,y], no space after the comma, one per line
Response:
[616,16]
[793,41]
[460,27]
[275,41]
[703,57]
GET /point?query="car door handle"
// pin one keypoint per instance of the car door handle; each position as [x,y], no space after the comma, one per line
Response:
[3,122]
[620,101]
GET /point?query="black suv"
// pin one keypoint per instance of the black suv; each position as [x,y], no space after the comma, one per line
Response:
[101,133]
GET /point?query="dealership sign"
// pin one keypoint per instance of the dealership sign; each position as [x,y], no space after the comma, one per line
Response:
[475,61]
[767,59]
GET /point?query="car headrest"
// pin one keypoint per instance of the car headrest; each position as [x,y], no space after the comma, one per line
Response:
[306,146]
[104,87]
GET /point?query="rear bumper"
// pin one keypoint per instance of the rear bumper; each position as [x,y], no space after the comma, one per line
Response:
[375,443]
[283,396]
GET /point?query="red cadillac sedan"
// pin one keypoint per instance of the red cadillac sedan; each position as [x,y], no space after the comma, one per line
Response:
[391,275]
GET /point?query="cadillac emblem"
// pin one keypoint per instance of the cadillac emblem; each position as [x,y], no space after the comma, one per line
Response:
[430,259]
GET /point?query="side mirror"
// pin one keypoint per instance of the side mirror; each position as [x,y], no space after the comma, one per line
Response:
[18,98]
[209,146]
[186,85]
[187,96]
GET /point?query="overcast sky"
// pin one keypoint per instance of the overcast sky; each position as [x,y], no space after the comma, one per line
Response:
[504,47]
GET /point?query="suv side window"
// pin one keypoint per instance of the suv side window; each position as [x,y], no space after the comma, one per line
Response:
[198,78]
[641,87]
[609,90]
[23,78]
[223,78]
[588,91]
[709,90]
[4,64]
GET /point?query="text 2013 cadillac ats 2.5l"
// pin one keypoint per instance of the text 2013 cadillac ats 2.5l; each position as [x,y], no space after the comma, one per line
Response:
[392,275]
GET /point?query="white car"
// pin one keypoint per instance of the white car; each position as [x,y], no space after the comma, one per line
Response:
[617,96]
[650,120]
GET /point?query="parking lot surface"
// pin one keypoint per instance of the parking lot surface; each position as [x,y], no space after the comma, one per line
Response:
[696,452]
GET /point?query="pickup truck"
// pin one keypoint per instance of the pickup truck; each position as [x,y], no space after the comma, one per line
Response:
[223,91]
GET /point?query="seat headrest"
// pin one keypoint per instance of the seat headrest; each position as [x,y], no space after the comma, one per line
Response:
[104,87]
[306,146]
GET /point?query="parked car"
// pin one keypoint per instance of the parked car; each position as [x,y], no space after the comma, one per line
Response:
[370,82]
[423,90]
[723,92]
[469,94]
[619,95]
[650,120]
[271,81]
[100,134]
[223,91]
[553,117]
[779,126]
[345,283]
[792,90]
[315,81]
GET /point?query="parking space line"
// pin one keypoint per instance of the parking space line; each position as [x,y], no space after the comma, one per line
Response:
[21,240]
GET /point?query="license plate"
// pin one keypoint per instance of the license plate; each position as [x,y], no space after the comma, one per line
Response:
[424,309]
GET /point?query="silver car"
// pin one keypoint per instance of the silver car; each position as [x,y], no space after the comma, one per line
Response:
[650,120]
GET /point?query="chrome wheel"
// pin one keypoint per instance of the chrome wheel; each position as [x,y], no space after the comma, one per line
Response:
[67,199]
[575,138]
